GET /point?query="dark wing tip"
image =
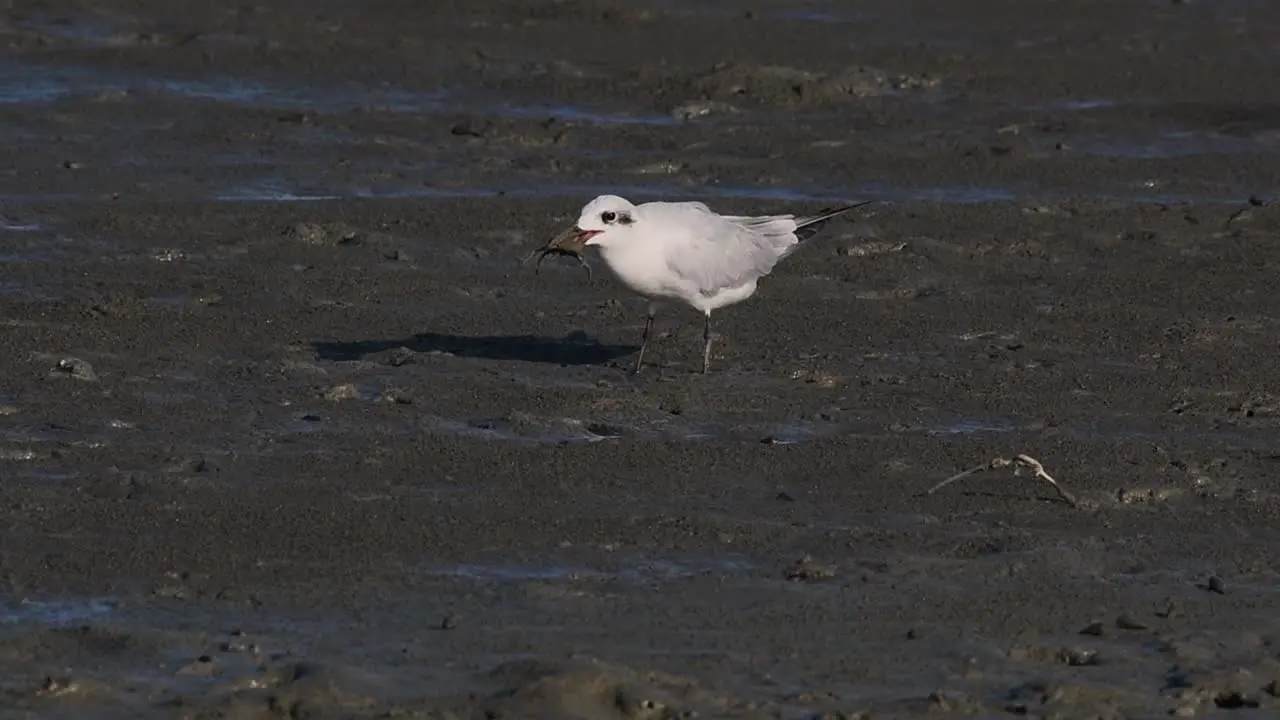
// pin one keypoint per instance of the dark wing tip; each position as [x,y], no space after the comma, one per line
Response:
[809,226]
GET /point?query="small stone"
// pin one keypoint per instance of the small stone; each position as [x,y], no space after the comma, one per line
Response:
[469,127]
[1240,216]
[310,233]
[203,465]
[449,622]
[690,111]
[806,570]
[338,393]
[76,368]
[1125,622]
[785,496]
[1095,628]
[237,644]
[397,357]
[1235,700]
[1078,657]
[953,703]
[1184,711]
[57,686]
[396,397]
[173,592]
[869,248]
[1217,585]
[202,667]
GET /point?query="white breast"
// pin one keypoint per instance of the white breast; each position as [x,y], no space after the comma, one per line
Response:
[644,271]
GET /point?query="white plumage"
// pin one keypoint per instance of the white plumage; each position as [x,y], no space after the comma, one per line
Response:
[686,252]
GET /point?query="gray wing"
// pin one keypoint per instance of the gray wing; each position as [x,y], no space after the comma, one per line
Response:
[778,230]
[787,231]
[712,252]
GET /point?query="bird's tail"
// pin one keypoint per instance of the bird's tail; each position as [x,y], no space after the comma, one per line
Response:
[807,227]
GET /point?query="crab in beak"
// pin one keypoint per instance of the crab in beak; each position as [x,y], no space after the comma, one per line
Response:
[571,242]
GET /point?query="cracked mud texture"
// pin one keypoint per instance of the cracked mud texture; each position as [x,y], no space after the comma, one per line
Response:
[287,430]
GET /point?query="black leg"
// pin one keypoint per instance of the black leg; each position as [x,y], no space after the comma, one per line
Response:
[706,345]
[644,340]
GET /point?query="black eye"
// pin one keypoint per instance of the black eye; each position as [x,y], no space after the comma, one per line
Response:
[608,216]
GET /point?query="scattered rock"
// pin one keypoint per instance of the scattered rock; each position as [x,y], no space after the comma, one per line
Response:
[197,465]
[1216,584]
[1127,622]
[1235,700]
[776,85]
[23,454]
[690,111]
[395,396]
[395,357]
[1096,629]
[317,234]
[53,687]
[470,127]
[169,255]
[953,702]
[172,592]
[1073,656]
[310,233]
[74,368]
[536,689]
[875,247]
[239,643]
[1077,657]
[203,666]
[807,570]
[338,393]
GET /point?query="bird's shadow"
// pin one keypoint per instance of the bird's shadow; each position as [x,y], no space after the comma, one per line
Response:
[576,348]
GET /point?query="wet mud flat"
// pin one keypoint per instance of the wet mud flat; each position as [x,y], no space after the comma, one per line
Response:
[286,430]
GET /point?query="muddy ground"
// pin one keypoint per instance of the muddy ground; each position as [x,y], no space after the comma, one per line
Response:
[286,430]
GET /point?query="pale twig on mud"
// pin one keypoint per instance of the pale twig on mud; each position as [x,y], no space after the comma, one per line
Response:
[1018,462]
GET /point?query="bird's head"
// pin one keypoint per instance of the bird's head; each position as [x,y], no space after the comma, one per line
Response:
[604,221]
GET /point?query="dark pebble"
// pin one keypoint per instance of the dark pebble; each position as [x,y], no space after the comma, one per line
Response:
[1125,622]
[76,368]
